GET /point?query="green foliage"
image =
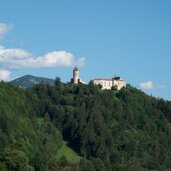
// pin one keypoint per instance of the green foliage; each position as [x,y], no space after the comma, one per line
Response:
[110,129]
[69,154]
[114,127]
[15,159]
[28,138]
[86,165]
[57,82]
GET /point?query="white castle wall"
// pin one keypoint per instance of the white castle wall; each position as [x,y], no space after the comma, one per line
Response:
[108,83]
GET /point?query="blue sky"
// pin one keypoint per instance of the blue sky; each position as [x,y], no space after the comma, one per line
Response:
[128,38]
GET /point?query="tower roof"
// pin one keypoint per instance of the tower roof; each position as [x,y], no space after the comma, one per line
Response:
[75,69]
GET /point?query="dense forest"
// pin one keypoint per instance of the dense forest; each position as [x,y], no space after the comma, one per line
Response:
[66,127]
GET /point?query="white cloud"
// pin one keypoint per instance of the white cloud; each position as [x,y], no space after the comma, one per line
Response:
[5,75]
[53,59]
[4,28]
[13,53]
[150,85]
[20,58]
[146,85]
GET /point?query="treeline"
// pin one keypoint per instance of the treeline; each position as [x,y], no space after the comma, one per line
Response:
[28,141]
[111,130]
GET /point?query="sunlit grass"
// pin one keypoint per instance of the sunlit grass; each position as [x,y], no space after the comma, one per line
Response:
[66,151]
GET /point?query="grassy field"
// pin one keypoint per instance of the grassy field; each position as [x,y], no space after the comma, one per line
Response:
[70,155]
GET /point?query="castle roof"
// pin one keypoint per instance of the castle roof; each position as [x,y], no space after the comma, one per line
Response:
[108,79]
[116,78]
[75,69]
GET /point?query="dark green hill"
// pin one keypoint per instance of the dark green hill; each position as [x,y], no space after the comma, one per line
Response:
[29,81]
[119,130]
[112,130]
[28,139]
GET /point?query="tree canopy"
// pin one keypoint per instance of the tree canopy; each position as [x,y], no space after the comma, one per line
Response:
[109,129]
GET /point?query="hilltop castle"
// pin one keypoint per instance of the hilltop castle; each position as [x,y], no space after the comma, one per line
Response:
[109,83]
[76,79]
[104,82]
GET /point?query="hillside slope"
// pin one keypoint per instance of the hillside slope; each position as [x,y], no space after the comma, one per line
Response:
[121,129]
[28,139]
[111,130]
[29,81]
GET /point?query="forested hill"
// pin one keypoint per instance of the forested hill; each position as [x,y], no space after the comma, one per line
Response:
[28,81]
[109,130]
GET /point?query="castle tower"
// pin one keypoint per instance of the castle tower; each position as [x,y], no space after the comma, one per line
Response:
[75,75]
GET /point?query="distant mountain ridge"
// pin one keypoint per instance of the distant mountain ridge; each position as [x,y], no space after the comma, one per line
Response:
[28,81]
